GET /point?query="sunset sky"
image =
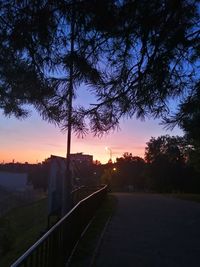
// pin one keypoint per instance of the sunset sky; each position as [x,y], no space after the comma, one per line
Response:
[33,140]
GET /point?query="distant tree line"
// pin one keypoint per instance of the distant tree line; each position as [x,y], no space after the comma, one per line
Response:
[83,174]
[37,173]
[168,166]
[171,164]
[16,167]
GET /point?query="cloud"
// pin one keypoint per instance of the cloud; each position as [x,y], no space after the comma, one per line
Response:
[54,145]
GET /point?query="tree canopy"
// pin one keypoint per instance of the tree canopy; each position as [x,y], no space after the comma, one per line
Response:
[173,149]
[188,118]
[169,165]
[132,55]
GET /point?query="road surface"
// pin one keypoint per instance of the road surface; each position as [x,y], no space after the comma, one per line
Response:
[150,230]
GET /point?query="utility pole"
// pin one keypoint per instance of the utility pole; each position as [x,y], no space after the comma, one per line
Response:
[67,181]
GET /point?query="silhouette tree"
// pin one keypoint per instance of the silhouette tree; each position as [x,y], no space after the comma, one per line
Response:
[132,54]
[38,176]
[40,63]
[130,172]
[173,149]
[188,118]
[168,167]
[54,53]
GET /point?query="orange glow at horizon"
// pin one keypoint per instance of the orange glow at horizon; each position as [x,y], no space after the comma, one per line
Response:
[34,155]
[33,140]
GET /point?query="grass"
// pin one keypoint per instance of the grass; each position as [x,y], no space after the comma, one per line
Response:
[187,196]
[22,227]
[86,247]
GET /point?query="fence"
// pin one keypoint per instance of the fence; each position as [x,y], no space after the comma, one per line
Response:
[55,247]
[82,192]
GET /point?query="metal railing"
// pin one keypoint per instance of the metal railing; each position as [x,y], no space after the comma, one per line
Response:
[82,192]
[55,247]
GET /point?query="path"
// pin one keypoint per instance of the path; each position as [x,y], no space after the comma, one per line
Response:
[151,231]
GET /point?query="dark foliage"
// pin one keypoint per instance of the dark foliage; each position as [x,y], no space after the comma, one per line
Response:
[167,168]
[131,168]
[38,176]
[172,149]
[85,174]
[168,165]
[132,55]
[126,173]
[188,118]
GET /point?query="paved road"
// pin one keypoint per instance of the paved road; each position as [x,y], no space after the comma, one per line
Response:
[151,231]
